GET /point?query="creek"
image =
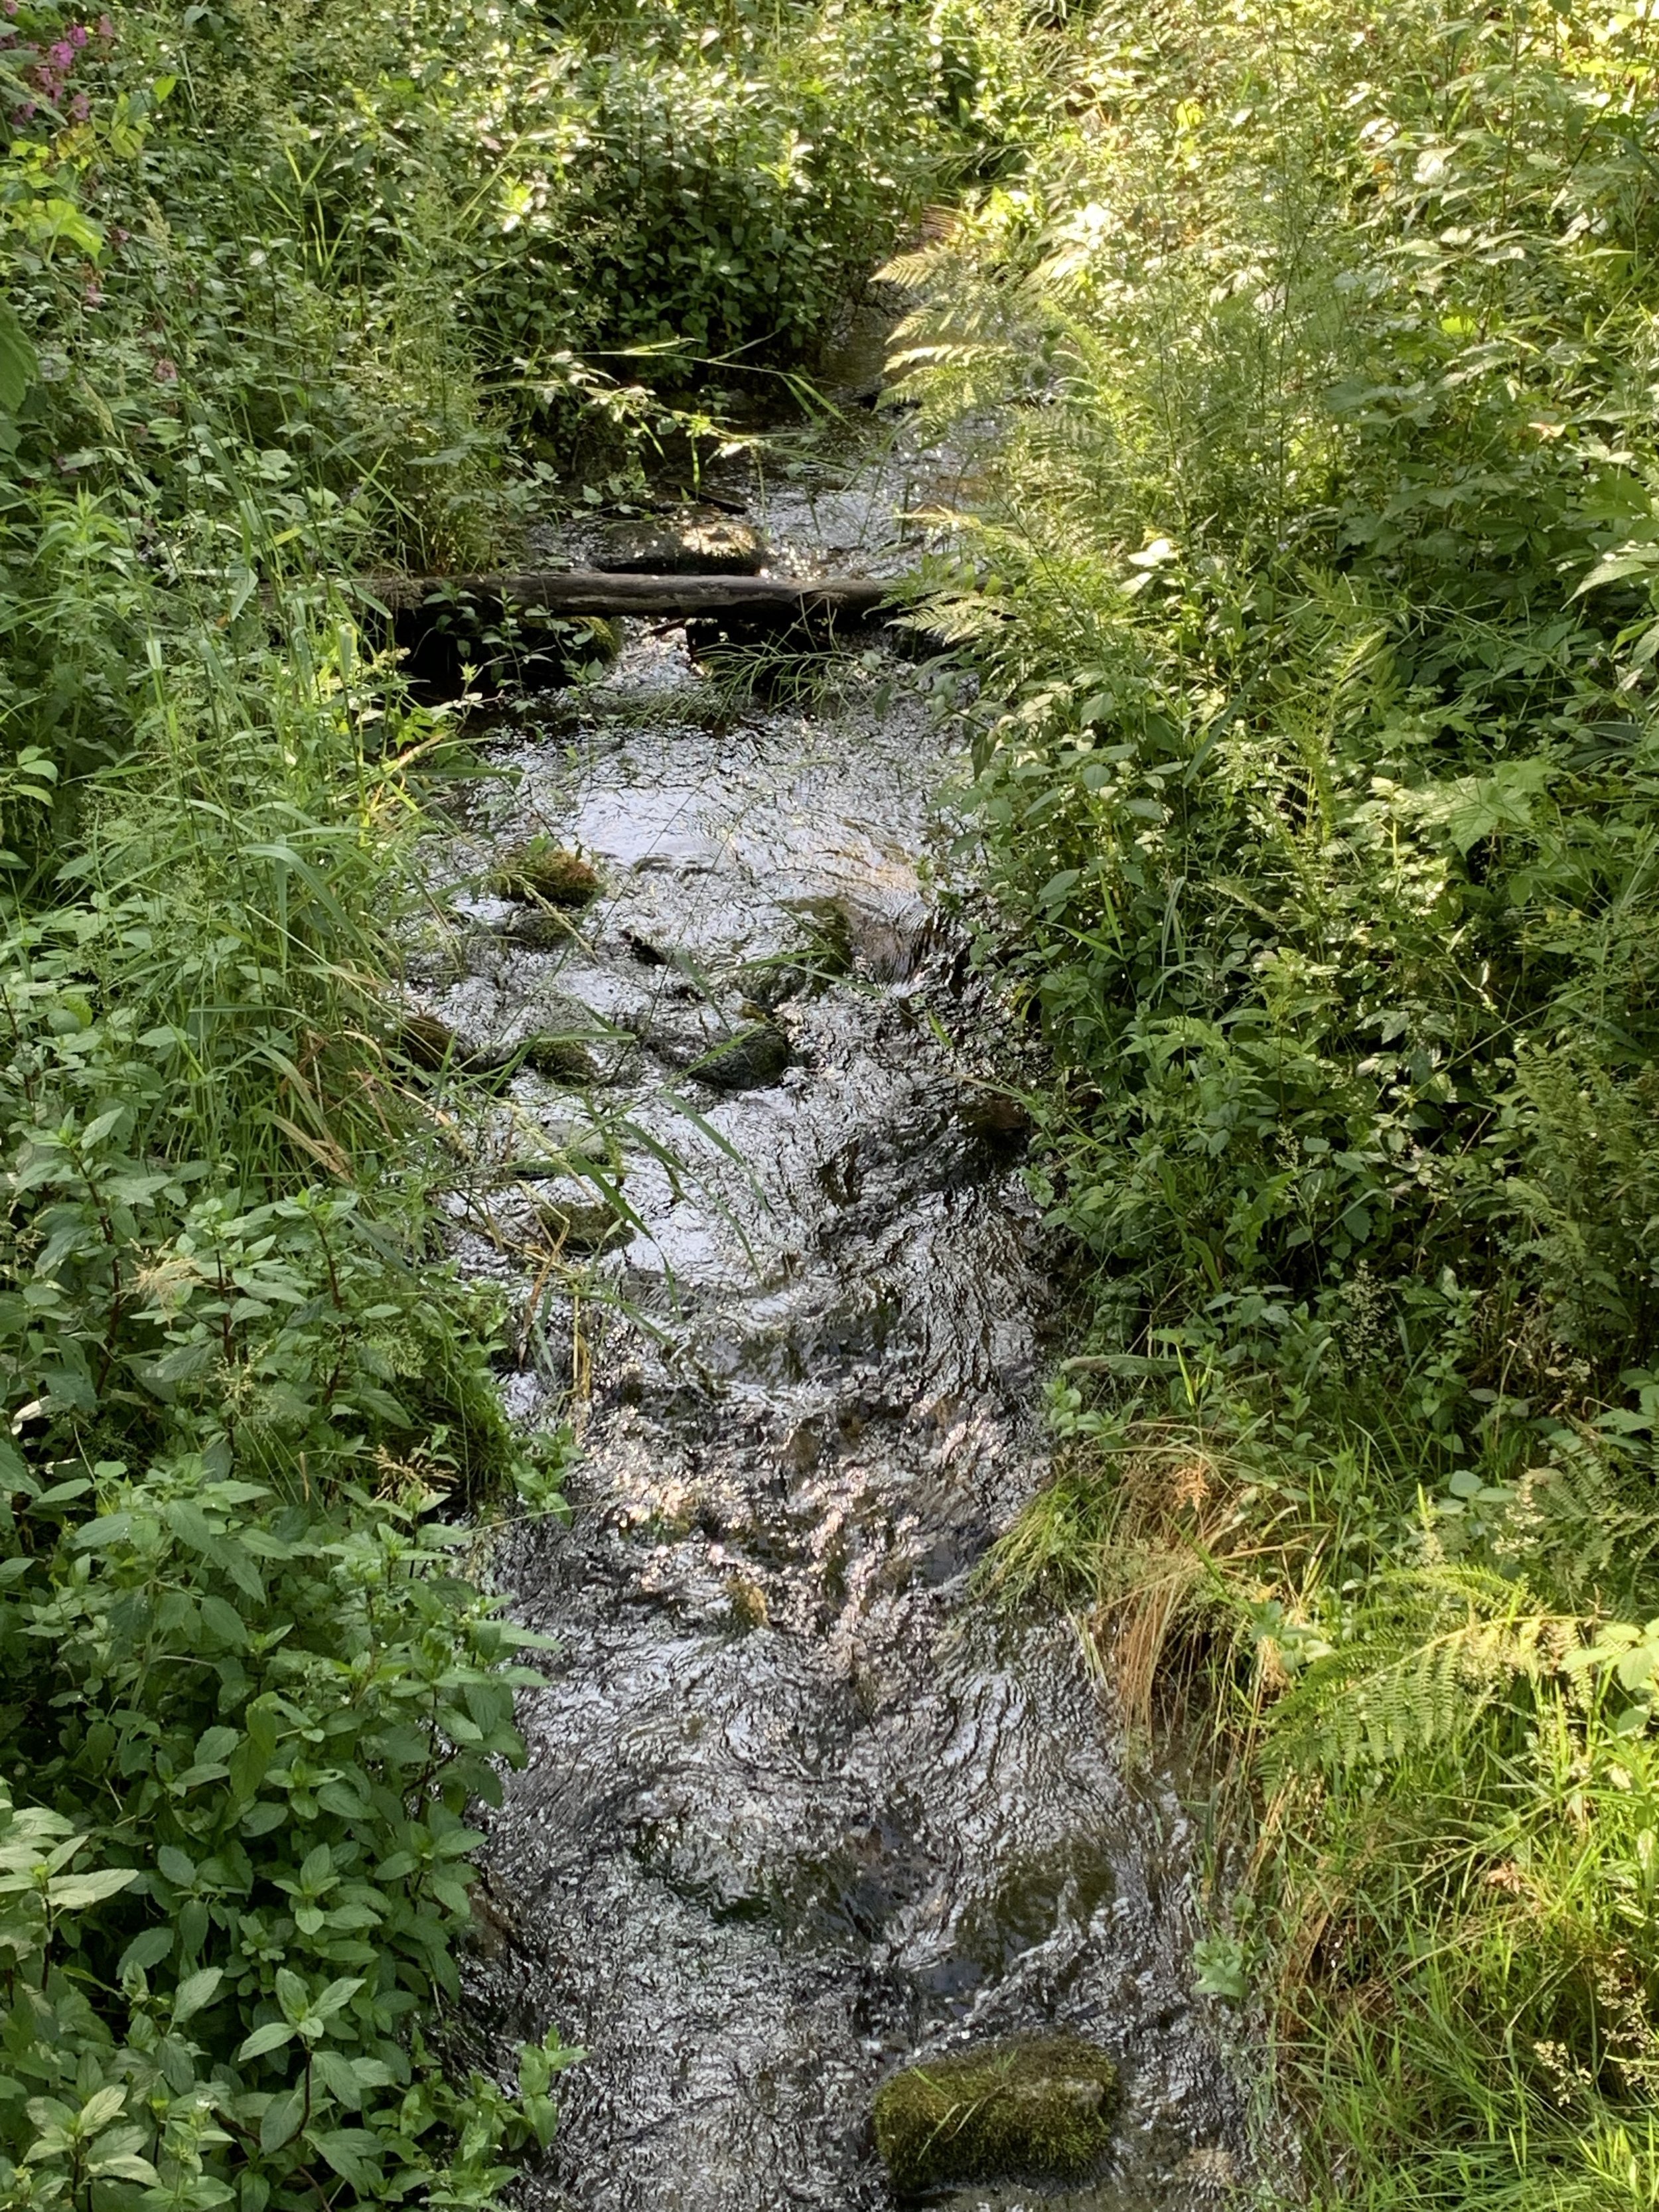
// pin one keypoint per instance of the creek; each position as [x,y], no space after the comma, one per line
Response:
[797,1810]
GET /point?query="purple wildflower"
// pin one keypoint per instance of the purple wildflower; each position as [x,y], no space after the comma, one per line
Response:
[78,34]
[80,107]
[61,55]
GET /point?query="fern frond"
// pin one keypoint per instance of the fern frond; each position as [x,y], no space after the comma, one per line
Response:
[1433,1649]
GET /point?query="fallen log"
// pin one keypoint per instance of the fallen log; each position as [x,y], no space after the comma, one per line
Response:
[597,591]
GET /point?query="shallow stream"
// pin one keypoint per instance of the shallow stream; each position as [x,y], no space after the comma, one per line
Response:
[796,1810]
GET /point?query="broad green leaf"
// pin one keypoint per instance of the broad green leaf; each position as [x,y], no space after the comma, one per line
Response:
[147,1950]
[353,2153]
[175,1865]
[101,2107]
[340,2078]
[281,2119]
[271,2036]
[75,1893]
[335,1996]
[108,1528]
[1634,560]
[194,1992]
[124,2166]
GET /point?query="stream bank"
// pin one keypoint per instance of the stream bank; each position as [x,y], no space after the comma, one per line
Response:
[795,1812]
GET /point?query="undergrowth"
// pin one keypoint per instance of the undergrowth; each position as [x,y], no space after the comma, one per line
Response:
[293,293]
[1313,579]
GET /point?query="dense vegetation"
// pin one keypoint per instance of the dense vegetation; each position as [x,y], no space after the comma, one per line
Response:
[1318,761]
[292,293]
[1315,608]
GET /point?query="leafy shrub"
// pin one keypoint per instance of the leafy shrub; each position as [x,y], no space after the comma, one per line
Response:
[240,1674]
[1313,592]
[282,288]
[370,248]
[1322,780]
[242,1682]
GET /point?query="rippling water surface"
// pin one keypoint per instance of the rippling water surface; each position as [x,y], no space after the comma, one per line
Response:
[795,1812]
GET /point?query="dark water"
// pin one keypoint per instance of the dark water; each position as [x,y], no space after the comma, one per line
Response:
[795,1811]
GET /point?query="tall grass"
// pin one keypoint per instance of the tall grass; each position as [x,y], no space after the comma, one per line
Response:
[1313,593]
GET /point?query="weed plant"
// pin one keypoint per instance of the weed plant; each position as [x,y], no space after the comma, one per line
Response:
[1314,596]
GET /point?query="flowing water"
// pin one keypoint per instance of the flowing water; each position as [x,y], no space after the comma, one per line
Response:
[795,1811]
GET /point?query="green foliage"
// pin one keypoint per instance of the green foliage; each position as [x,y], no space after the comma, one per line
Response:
[247,1693]
[371,257]
[240,1676]
[1313,592]
[1321,779]
[264,1720]
[290,293]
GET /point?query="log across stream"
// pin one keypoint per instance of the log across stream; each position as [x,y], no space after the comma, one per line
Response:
[797,1810]
[603,591]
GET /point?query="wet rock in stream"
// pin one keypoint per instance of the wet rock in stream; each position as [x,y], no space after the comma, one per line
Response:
[1038,2107]
[573,1217]
[695,545]
[563,1059]
[797,1813]
[751,1061]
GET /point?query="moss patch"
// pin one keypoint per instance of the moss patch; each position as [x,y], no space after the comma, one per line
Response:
[1040,2108]
[546,872]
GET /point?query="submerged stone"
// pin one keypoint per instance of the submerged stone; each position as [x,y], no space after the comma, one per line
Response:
[431,1044]
[561,1060]
[745,1603]
[540,929]
[574,1220]
[753,1059]
[540,870]
[697,546]
[802,972]
[426,1041]
[1040,2108]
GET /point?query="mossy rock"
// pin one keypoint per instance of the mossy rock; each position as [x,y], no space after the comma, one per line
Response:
[561,1060]
[549,872]
[540,929]
[745,1604]
[751,1061]
[432,1045]
[578,1222]
[425,1041]
[1040,2108]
